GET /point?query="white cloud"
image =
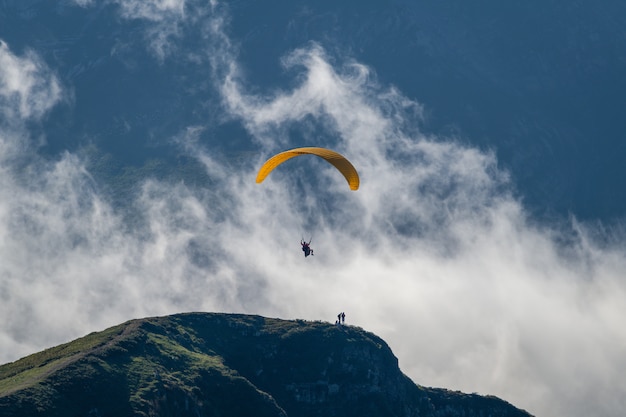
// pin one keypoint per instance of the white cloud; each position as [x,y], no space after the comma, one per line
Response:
[164,21]
[155,10]
[164,17]
[28,89]
[432,253]
[83,3]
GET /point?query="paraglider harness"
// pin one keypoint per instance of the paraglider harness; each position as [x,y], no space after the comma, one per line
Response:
[306,248]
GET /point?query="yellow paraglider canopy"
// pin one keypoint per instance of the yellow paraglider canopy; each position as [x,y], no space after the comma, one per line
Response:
[337,160]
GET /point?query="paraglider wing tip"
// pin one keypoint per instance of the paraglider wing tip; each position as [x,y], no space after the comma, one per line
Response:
[353,181]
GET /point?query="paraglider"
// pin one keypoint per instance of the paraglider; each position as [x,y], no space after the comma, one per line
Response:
[337,160]
[306,247]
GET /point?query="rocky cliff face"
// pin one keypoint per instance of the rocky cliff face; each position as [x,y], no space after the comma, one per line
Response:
[226,365]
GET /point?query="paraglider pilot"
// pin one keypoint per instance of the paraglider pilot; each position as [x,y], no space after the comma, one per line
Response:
[306,248]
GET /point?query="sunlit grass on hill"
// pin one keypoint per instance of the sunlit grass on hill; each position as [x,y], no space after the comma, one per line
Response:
[30,369]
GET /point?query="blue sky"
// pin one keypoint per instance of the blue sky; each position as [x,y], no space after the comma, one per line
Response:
[436,253]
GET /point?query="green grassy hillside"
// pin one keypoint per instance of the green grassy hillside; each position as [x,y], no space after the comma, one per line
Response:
[202,364]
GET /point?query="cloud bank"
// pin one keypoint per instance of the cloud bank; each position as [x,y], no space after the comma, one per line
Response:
[433,253]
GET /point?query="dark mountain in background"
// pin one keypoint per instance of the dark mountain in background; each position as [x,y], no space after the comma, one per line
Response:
[202,364]
[539,82]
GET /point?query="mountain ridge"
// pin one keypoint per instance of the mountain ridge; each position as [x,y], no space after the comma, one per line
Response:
[212,364]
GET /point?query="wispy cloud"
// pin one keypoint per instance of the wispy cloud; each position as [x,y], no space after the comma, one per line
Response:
[28,89]
[165,16]
[433,252]
[83,3]
[162,17]
[154,10]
